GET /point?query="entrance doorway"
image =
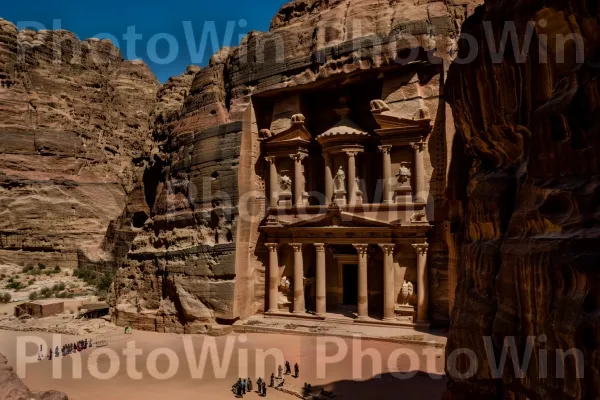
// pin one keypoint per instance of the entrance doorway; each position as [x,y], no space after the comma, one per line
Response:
[350,273]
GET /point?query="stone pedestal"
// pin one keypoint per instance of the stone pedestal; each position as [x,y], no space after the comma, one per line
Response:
[285,199]
[340,197]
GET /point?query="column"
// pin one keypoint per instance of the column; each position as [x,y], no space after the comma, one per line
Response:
[328,179]
[273,181]
[389,289]
[422,282]
[298,279]
[352,177]
[419,172]
[273,277]
[363,287]
[387,173]
[298,178]
[321,280]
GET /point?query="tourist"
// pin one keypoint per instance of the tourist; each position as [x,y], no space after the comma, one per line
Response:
[264,393]
[249,386]
[259,383]
[272,380]
[41,354]
[244,385]
[280,372]
[57,352]
[288,369]
[296,370]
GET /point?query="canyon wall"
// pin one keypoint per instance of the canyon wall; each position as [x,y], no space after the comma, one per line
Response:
[525,190]
[197,259]
[12,388]
[74,120]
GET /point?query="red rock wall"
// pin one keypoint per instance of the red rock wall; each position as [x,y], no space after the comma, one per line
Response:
[525,184]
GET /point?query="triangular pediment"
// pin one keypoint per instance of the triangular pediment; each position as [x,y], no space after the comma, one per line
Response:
[336,218]
[297,133]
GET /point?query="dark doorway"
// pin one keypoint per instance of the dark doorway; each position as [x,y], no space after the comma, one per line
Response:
[351,284]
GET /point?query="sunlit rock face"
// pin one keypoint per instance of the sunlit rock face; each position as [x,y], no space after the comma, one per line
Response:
[525,184]
[194,261]
[73,117]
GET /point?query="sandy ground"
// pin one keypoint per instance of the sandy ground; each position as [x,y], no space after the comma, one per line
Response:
[349,376]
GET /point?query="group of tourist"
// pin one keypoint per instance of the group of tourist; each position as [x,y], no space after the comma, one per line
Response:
[241,387]
[66,350]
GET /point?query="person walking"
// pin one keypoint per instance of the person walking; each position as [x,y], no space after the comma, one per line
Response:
[288,368]
[272,380]
[244,384]
[297,370]
[280,372]
[249,386]
[264,393]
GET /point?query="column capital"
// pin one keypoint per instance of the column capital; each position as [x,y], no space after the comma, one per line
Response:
[272,246]
[421,248]
[388,248]
[320,247]
[270,159]
[385,149]
[352,153]
[298,157]
[418,146]
[297,247]
[361,248]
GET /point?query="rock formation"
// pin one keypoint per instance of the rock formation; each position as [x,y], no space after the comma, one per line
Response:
[12,388]
[524,183]
[196,261]
[74,117]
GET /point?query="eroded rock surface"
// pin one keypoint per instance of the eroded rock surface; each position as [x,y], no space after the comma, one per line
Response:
[525,182]
[12,388]
[73,116]
[195,262]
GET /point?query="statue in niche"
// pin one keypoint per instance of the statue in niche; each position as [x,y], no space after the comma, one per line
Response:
[403,175]
[340,180]
[284,285]
[285,183]
[406,293]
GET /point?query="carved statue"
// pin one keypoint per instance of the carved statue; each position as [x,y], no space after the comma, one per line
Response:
[284,285]
[285,183]
[404,173]
[340,180]
[406,292]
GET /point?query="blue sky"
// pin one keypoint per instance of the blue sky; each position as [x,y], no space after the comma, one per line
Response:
[163,43]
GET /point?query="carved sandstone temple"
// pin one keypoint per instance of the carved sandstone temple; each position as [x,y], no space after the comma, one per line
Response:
[303,175]
[347,217]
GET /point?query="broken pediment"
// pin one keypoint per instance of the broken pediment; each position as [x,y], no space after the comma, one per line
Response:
[295,136]
[393,125]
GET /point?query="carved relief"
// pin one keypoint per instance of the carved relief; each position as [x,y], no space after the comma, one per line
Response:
[403,175]
[340,180]
[285,184]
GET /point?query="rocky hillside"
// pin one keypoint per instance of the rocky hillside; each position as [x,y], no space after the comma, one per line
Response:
[526,185]
[74,118]
[12,388]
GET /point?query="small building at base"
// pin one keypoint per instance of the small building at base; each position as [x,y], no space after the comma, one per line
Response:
[40,308]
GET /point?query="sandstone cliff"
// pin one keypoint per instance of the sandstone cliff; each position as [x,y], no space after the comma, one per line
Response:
[183,272]
[525,179]
[12,388]
[73,117]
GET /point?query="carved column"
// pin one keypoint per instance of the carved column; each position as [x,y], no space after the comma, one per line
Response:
[298,178]
[321,280]
[273,181]
[328,178]
[273,276]
[419,172]
[422,282]
[389,289]
[352,177]
[298,279]
[363,287]
[387,173]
